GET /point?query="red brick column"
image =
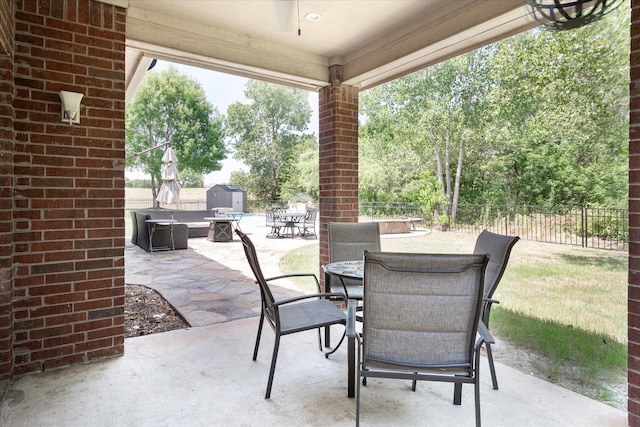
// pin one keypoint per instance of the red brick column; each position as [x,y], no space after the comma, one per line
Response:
[69,184]
[6,192]
[338,154]
[634,221]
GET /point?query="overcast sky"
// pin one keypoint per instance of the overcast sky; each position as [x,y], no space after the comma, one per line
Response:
[222,90]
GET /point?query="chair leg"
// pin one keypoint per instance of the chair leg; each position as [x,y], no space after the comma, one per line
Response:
[272,371]
[457,393]
[337,346]
[413,384]
[358,374]
[319,340]
[492,368]
[255,349]
[476,387]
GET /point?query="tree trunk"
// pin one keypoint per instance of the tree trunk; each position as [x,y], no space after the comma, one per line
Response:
[456,191]
[437,154]
[447,159]
[274,183]
[154,192]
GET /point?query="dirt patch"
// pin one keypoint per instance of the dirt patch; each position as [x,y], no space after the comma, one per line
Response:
[147,312]
[608,389]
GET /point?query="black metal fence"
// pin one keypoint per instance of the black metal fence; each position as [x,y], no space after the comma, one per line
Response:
[602,228]
[396,210]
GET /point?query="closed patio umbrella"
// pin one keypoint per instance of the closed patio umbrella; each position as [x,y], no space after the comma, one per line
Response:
[170,188]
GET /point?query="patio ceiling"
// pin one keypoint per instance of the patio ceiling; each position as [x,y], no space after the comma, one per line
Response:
[374,41]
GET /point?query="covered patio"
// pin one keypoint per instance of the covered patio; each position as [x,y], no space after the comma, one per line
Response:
[204,375]
[62,261]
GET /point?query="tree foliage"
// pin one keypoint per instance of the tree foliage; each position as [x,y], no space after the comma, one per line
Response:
[172,107]
[268,135]
[540,118]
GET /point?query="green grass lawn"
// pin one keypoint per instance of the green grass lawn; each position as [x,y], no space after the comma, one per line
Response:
[565,304]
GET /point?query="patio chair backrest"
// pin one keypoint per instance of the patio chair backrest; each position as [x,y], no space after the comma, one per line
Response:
[422,310]
[499,247]
[349,240]
[252,258]
[310,215]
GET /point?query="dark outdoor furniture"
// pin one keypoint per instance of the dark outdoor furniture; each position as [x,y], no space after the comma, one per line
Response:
[188,224]
[291,315]
[161,234]
[422,316]
[220,229]
[161,226]
[290,221]
[307,227]
[134,233]
[499,248]
[276,226]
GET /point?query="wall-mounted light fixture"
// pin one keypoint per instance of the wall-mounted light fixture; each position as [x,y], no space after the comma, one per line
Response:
[70,106]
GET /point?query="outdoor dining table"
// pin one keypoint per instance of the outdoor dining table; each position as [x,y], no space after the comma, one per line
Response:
[290,219]
[351,270]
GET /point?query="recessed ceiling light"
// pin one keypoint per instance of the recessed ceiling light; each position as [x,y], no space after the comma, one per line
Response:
[313,16]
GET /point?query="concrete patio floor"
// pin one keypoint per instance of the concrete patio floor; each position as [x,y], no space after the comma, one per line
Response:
[204,375]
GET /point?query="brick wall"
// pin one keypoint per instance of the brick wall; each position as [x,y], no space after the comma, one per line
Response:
[69,184]
[634,220]
[6,193]
[338,153]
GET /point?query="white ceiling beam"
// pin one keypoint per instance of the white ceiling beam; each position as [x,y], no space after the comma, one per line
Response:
[225,50]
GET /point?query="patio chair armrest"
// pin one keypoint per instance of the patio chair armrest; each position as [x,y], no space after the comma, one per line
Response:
[285,276]
[351,318]
[485,335]
[308,296]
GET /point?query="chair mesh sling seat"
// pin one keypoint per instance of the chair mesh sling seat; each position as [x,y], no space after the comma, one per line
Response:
[291,315]
[421,320]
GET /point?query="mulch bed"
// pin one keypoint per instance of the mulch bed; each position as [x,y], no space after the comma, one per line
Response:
[147,312]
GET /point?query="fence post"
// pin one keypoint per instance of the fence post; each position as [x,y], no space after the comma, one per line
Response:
[506,223]
[584,227]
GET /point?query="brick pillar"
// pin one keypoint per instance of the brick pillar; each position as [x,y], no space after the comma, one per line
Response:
[634,221]
[6,192]
[338,157]
[69,184]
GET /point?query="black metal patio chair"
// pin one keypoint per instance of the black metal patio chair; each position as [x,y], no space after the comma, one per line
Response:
[422,319]
[291,315]
[499,247]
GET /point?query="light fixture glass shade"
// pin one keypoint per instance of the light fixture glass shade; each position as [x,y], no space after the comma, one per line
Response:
[313,17]
[70,106]
[561,15]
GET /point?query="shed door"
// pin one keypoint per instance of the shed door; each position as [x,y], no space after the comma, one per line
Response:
[236,201]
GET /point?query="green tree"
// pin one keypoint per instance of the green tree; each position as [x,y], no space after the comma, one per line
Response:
[303,182]
[268,135]
[540,118]
[172,107]
[425,121]
[561,100]
[191,179]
